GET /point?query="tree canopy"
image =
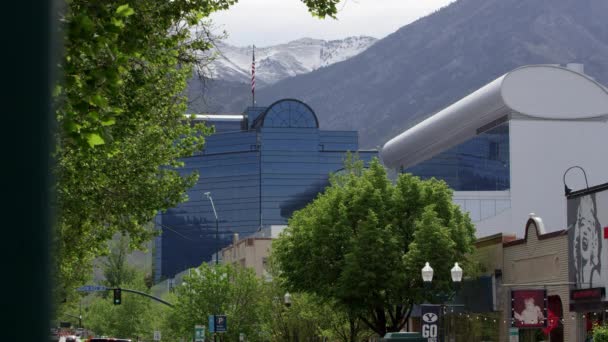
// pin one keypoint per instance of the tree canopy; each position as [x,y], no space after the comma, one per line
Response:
[218,289]
[363,242]
[120,129]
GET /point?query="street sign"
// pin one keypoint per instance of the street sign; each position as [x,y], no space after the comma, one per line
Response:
[221,323]
[430,322]
[91,288]
[199,333]
[211,323]
[156,335]
[513,334]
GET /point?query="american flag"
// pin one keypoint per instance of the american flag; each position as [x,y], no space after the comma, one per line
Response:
[253,75]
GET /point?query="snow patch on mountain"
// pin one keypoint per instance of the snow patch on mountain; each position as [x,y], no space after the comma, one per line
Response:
[274,63]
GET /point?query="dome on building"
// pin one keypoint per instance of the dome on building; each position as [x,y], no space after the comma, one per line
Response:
[288,113]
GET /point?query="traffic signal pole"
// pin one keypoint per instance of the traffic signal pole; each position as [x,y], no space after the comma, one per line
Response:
[143,294]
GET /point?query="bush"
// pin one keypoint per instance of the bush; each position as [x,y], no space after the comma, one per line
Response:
[600,333]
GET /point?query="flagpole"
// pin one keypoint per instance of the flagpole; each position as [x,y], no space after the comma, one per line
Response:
[253,79]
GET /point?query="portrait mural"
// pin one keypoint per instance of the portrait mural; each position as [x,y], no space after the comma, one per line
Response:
[529,308]
[588,247]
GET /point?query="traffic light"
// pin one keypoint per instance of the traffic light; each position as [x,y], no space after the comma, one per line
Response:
[117,297]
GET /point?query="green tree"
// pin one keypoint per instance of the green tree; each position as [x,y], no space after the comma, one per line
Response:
[137,316]
[119,119]
[115,267]
[309,317]
[363,242]
[212,290]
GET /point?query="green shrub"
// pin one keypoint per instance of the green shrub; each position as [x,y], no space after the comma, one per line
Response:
[600,333]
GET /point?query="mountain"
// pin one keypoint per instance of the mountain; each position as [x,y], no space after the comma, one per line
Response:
[274,63]
[433,62]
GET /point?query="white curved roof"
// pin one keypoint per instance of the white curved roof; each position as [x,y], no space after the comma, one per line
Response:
[536,91]
[216,117]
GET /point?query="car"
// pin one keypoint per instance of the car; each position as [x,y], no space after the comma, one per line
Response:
[71,338]
[108,339]
[54,335]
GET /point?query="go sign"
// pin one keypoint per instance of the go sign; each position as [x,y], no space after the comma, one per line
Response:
[430,322]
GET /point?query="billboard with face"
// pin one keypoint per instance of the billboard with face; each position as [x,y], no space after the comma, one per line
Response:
[588,248]
[529,308]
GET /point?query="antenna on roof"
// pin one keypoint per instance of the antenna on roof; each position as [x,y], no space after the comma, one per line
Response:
[253,79]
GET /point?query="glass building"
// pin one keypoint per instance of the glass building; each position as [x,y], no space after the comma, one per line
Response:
[260,167]
[480,164]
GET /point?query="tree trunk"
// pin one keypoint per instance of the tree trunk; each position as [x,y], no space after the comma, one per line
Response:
[381,322]
[353,330]
[378,322]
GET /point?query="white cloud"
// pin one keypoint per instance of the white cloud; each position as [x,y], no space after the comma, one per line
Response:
[269,22]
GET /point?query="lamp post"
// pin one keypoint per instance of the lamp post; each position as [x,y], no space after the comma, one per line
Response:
[427,277]
[287,299]
[217,242]
[287,302]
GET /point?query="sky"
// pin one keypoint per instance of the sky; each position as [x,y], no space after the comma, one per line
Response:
[270,22]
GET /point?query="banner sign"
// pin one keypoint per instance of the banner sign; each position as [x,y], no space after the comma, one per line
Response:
[587,246]
[529,308]
[199,333]
[221,323]
[430,322]
[513,335]
[211,323]
[218,323]
[596,293]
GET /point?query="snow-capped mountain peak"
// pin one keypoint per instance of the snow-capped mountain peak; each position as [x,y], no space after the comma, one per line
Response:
[274,63]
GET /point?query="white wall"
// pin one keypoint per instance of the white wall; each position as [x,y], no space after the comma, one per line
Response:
[541,151]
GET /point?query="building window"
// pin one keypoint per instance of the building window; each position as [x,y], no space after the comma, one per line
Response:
[494,151]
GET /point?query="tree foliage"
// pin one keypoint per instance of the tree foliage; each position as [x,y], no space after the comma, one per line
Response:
[308,318]
[119,117]
[600,333]
[212,290]
[137,316]
[363,242]
[115,267]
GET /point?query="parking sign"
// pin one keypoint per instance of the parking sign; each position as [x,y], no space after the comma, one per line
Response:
[221,323]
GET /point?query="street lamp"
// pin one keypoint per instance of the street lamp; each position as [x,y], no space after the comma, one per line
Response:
[456,273]
[427,277]
[427,273]
[287,299]
[217,242]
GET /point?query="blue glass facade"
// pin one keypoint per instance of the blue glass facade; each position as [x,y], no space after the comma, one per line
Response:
[273,163]
[480,164]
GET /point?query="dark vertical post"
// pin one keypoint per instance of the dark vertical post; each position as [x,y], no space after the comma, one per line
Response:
[443,323]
